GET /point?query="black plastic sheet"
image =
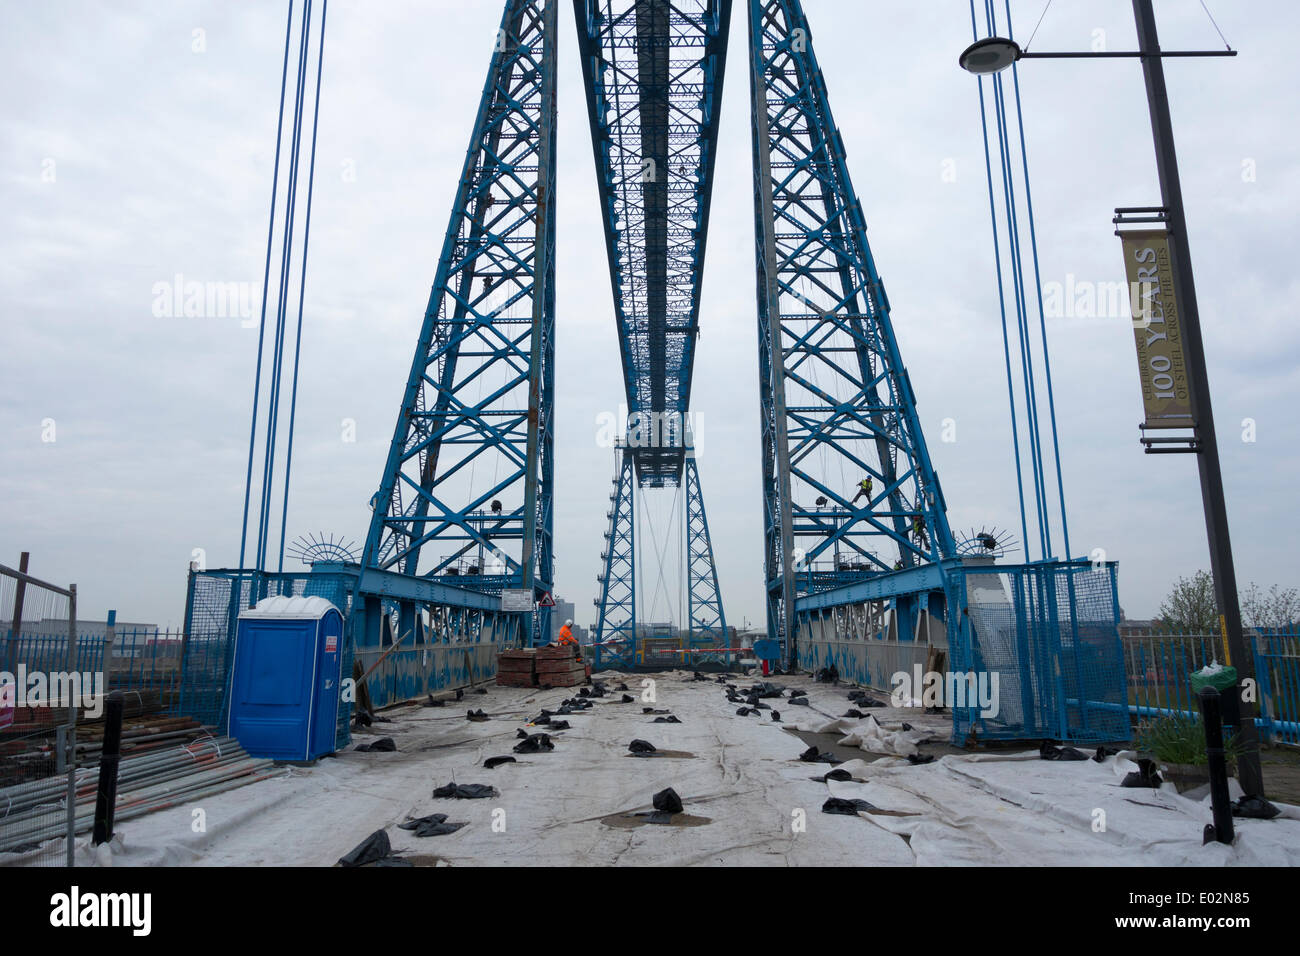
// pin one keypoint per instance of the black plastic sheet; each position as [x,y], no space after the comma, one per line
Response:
[465,791]
[435,824]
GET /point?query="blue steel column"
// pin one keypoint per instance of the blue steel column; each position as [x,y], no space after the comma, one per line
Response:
[837,403]
[705,619]
[616,617]
[479,396]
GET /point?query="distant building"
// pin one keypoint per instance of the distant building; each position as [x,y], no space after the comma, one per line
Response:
[91,630]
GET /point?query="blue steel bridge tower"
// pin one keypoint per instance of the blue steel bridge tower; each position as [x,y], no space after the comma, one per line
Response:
[837,404]
[467,489]
[860,562]
[653,74]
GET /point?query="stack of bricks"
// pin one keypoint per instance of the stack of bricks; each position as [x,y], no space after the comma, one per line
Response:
[515,668]
[559,667]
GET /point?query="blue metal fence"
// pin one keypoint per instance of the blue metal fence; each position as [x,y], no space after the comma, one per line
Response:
[213,604]
[1049,631]
[1160,665]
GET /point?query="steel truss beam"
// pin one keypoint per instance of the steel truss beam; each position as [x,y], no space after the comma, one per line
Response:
[705,617]
[837,404]
[653,72]
[471,461]
[616,621]
[615,634]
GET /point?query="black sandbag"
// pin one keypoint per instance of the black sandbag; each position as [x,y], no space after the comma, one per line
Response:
[1104,752]
[743,711]
[1049,751]
[915,759]
[1254,808]
[626,699]
[476,715]
[836,774]
[559,725]
[667,801]
[1146,775]
[465,791]
[846,807]
[798,693]
[813,755]
[621,687]
[639,746]
[799,701]
[854,714]
[776,715]
[435,824]
[370,850]
[497,761]
[534,743]
[382,745]
[670,719]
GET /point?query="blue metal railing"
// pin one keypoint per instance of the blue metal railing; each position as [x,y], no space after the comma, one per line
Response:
[1160,665]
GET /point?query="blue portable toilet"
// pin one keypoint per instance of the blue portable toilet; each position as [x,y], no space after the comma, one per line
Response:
[284,683]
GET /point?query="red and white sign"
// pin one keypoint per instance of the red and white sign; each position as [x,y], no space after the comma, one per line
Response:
[331,643]
[547,600]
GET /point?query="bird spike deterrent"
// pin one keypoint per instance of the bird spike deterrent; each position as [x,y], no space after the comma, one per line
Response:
[313,548]
[986,542]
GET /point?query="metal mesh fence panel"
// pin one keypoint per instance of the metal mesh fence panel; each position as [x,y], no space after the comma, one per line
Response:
[47,675]
[215,601]
[1048,634]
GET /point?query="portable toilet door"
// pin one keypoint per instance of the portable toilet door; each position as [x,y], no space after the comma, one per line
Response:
[284,691]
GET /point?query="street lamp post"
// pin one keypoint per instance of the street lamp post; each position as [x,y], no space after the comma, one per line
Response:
[994,54]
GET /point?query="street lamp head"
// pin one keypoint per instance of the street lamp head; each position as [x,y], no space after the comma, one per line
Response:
[990,55]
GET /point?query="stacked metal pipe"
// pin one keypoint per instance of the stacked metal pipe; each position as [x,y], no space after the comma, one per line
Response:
[146,782]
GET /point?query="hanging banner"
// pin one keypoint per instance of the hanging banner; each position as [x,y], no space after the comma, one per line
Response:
[1154,305]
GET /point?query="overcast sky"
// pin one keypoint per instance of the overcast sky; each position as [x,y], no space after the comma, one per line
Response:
[127,157]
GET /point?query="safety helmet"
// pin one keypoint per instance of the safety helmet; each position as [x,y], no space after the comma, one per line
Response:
[569,623]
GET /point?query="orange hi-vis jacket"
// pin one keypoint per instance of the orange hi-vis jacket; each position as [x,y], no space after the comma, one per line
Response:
[566,635]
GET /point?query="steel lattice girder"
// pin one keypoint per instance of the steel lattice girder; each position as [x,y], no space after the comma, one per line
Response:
[479,398]
[615,634]
[705,617]
[837,405]
[653,72]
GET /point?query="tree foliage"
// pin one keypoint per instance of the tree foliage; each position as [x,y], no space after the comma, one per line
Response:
[1191,607]
[1274,609]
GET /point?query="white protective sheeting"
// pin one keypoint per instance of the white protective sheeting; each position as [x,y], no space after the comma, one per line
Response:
[740,777]
[985,809]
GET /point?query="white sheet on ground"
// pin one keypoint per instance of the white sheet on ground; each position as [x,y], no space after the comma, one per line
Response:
[985,809]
